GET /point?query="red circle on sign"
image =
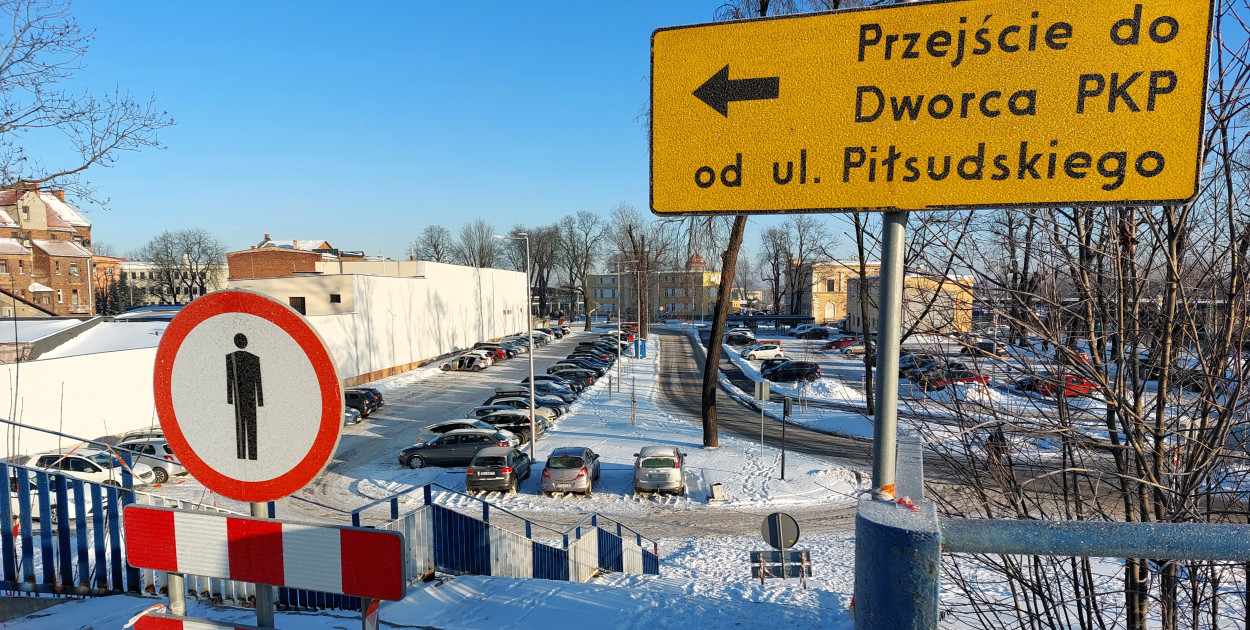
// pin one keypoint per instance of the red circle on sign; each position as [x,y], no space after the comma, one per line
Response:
[285,318]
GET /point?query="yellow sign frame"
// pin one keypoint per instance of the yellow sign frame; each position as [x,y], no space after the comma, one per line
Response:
[952,104]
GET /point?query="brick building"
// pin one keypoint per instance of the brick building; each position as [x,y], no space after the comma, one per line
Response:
[45,255]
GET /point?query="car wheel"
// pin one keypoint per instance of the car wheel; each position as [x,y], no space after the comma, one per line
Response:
[161,475]
[750,357]
[477,368]
[445,368]
[416,461]
[811,378]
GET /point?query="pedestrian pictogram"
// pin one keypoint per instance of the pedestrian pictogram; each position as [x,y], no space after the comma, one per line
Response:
[247,395]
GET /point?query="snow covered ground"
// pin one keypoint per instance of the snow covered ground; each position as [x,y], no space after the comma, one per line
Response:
[705,576]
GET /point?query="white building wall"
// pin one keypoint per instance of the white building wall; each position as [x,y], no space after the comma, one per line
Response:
[104,394]
[397,323]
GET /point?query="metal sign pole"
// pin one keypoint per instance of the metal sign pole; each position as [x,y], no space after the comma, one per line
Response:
[264,592]
[785,412]
[889,329]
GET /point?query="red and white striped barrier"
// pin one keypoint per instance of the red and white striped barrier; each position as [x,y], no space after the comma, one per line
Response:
[350,560]
[160,621]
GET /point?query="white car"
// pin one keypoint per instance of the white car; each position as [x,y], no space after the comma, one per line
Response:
[801,328]
[158,455]
[765,350]
[90,464]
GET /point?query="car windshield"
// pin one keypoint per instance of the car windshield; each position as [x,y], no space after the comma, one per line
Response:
[103,459]
[565,461]
[658,462]
[493,462]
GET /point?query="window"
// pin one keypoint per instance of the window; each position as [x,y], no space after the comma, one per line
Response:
[335,298]
[4,266]
[58,267]
[831,285]
[73,269]
[21,267]
[74,297]
[25,213]
[60,299]
[297,303]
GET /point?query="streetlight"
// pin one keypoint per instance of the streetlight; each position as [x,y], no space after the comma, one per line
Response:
[620,301]
[529,330]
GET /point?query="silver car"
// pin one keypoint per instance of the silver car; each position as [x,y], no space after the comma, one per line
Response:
[659,469]
[157,454]
[570,469]
[439,428]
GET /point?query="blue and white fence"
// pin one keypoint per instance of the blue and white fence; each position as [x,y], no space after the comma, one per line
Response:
[497,542]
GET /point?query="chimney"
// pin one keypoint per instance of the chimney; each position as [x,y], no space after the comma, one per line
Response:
[60,194]
[253,247]
[266,237]
[412,258]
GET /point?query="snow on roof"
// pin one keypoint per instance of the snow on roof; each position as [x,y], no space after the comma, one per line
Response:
[28,330]
[6,220]
[62,248]
[301,244]
[35,286]
[111,337]
[12,246]
[67,212]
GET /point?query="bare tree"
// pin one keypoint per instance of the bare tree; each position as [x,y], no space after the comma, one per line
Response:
[44,52]
[650,244]
[185,264]
[774,258]
[581,238]
[435,244]
[476,245]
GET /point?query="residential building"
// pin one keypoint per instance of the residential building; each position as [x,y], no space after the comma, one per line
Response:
[145,283]
[931,304]
[689,293]
[45,255]
[822,288]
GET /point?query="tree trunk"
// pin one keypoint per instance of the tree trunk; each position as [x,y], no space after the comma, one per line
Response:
[712,367]
[870,406]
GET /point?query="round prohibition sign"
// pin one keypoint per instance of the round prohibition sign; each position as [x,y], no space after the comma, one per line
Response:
[241,360]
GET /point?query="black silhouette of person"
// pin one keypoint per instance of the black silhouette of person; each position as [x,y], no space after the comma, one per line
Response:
[243,390]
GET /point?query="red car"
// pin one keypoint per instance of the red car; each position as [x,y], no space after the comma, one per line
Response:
[1076,386]
[839,343]
[958,376]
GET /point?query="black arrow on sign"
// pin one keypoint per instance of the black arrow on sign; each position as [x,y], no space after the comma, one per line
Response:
[719,90]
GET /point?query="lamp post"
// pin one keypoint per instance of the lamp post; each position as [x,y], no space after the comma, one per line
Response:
[529,331]
[620,301]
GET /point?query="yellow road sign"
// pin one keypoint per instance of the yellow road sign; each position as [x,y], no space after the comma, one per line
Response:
[964,104]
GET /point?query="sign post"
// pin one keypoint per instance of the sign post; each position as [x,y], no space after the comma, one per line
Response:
[762,394]
[929,106]
[243,361]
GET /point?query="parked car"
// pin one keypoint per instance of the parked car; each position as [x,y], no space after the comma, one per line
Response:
[350,416]
[516,422]
[498,353]
[158,455]
[551,389]
[1071,357]
[486,356]
[520,346]
[454,448]
[819,332]
[578,362]
[765,350]
[570,469]
[837,343]
[989,348]
[359,401]
[594,354]
[90,464]
[482,410]
[800,329]
[768,364]
[919,361]
[857,347]
[739,339]
[373,395]
[558,380]
[958,374]
[152,432]
[375,391]
[659,468]
[498,468]
[1049,385]
[792,371]
[585,377]
[439,428]
[464,362]
[542,400]
[515,402]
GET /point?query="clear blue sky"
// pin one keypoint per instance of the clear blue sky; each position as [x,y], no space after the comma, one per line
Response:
[362,123]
